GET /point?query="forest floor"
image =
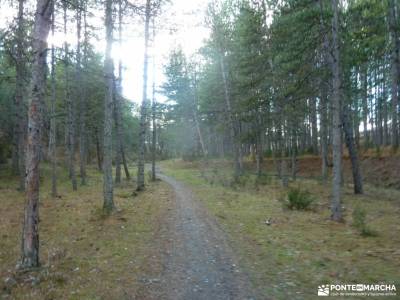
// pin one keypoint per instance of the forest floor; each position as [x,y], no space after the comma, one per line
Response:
[299,250]
[159,244]
[84,254]
[194,235]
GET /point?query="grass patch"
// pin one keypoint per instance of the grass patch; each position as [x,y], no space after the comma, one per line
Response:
[298,199]
[84,254]
[360,223]
[300,250]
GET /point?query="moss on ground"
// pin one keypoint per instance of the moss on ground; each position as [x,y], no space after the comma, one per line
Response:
[300,249]
[84,254]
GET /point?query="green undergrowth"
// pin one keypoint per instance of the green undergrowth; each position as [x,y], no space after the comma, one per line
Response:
[84,254]
[288,253]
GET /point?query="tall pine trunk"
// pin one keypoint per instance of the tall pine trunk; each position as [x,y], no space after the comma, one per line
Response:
[70,126]
[364,96]
[81,94]
[98,150]
[324,133]
[336,206]
[53,123]
[20,109]
[153,115]
[108,204]
[117,95]
[394,72]
[30,233]
[143,109]
[120,152]
[355,165]
[314,127]
[196,117]
[232,122]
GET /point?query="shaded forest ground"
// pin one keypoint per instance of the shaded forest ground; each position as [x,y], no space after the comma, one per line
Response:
[83,254]
[380,168]
[87,256]
[299,250]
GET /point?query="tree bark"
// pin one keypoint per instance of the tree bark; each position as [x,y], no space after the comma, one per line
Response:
[117,95]
[385,111]
[336,206]
[143,110]
[356,125]
[108,204]
[81,90]
[196,118]
[53,123]
[314,127]
[30,233]
[294,154]
[324,134]
[120,153]
[395,67]
[259,143]
[232,121]
[70,111]
[153,115]
[21,115]
[355,166]
[124,163]
[98,151]
[364,96]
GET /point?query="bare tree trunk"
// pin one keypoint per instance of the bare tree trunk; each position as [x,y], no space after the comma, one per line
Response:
[154,138]
[282,151]
[284,166]
[98,151]
[153,114]
[143,110]
[314,127]
[385,111]
[124,163]
[324,134]
[53,123]
[336,206]
[364,93]
[356,126]
[21,115]
[108,205]
[395,67]
[196,118]
[259,143]
[120,153]
[232,121]
[294,154]
[70,111]
[326,59]
[30,233]
[355,166]
[378,109]
[81,95]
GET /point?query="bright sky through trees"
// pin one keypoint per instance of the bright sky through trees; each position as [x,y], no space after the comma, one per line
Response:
[181,24]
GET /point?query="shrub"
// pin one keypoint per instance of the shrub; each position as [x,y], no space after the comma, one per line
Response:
[359,222]
[299,199]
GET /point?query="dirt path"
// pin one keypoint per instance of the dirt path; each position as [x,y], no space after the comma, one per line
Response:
[198,263]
